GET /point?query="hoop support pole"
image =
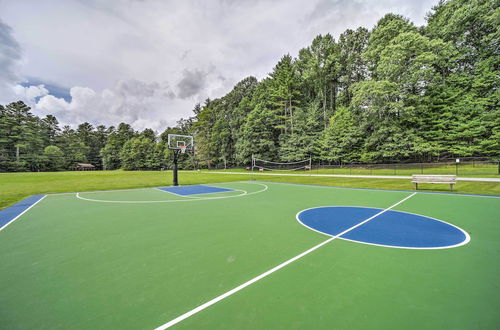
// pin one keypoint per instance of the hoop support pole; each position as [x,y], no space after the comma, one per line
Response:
[176,181]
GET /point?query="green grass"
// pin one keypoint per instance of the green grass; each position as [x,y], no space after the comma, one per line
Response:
[464,170]
[17,186]
[75,264]
[467,170]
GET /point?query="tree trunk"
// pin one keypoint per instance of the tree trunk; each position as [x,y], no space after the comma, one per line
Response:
[285,113]
[324,106]
[332,105]
[334,100]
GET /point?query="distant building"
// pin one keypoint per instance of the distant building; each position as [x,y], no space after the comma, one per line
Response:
[84,167]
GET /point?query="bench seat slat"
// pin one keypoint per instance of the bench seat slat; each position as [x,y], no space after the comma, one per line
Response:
[449,182]
[442,179]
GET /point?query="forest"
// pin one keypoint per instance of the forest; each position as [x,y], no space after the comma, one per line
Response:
[395,93]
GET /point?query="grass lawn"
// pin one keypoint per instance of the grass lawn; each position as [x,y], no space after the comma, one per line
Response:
[16,186]
[489,170]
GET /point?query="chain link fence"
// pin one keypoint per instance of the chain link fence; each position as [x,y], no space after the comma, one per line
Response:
[463,167]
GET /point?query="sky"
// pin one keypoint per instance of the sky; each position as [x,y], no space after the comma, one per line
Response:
[148,62]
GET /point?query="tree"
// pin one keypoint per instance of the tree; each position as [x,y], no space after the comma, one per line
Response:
[54,158]
[387,28]
[284,92]
[75,151]
[342,140]
[305,142]
[20,140]
[259,136]
[85,135]
[125,132]
[392,93]
[319,67]
[116,139]
[149,134]
[471,25]
[140,153]
[468,99]
[111,153]
[51,130]
[354,68]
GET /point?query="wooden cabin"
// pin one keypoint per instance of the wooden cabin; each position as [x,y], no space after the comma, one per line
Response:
[84,167]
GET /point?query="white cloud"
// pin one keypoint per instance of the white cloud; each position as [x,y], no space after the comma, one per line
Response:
[31,93]
[120,51]
[137,103]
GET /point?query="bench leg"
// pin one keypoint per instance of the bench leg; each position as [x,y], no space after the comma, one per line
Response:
[416,186]
[451,187]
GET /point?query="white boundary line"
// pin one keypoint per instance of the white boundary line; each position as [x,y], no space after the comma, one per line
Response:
[94,191]
[465,241]
[98,191]
[20,214]
[272,270]
[191,199]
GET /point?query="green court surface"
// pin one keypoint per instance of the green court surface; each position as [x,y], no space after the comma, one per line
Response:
[140,258]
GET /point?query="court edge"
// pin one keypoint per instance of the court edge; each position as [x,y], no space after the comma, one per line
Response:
[17,216]
[188,199]
[263,182]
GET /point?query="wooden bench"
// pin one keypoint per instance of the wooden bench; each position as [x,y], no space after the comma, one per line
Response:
[445,179]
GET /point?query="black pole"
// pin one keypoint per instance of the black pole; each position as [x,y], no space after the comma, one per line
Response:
[176,182]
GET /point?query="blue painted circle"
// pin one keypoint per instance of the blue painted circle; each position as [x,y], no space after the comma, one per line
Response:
[391,228]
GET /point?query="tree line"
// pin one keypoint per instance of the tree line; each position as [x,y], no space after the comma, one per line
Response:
[30,143]
[395,93]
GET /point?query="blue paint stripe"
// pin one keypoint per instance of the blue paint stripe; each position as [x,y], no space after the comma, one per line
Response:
[373,189]
[392,228]
[10,213]
[334,221]
[400,229]
[194,190]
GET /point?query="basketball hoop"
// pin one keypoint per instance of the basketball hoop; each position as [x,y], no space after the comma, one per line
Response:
[179,144]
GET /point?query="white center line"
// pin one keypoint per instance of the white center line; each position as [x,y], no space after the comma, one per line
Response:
[272,270]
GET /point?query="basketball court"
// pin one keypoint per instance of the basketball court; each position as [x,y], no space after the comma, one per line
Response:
[250,255]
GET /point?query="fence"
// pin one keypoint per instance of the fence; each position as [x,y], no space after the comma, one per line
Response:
[462,168]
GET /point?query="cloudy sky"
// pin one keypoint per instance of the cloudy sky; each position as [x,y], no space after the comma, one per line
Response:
[147,62]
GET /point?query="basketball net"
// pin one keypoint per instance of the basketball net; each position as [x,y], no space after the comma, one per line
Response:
[182,149]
